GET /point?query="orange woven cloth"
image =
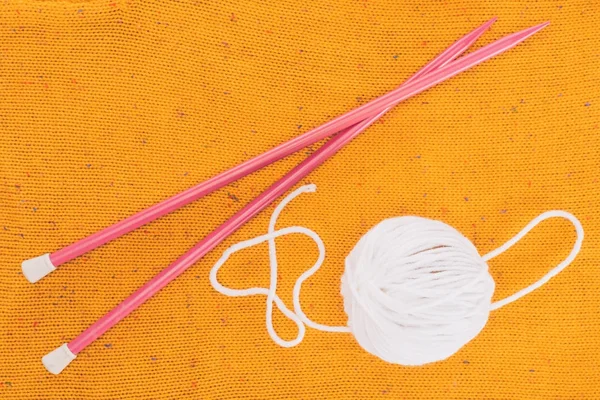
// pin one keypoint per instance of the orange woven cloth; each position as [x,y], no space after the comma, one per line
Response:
[111,106]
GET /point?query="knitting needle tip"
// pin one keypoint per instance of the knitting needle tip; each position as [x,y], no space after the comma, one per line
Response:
[479,31]
[524,34]
[490,22]
[511,41]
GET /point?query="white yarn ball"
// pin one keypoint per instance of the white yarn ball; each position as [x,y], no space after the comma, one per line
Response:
[415,291]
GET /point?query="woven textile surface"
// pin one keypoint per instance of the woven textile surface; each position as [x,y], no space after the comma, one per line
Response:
[108,107]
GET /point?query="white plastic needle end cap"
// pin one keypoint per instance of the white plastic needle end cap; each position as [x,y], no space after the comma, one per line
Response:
[58,359]
[37,268]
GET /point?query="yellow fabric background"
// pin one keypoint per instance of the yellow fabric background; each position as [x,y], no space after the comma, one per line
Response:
[111,106]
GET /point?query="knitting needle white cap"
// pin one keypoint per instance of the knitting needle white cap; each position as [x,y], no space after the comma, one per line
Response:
[58,359]
[36,268]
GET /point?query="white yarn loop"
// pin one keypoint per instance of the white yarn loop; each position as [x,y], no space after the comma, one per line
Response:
[297,316]
[554,271]
[415,290]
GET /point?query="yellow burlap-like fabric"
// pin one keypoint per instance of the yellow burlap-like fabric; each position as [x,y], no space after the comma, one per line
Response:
[111,106]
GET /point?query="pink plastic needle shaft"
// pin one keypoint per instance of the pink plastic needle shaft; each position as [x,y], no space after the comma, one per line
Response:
[262,201]
[283,150]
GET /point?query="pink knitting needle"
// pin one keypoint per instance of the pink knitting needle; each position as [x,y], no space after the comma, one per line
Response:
[58,359]
[38,267]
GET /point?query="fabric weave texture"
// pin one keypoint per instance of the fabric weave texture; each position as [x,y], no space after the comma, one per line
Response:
[111,106]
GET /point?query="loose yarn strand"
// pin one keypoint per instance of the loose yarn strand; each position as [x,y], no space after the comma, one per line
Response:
[297,316]
[554,271]
[308,273]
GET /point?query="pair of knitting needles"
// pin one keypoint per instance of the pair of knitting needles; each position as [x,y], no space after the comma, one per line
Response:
[342,129]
